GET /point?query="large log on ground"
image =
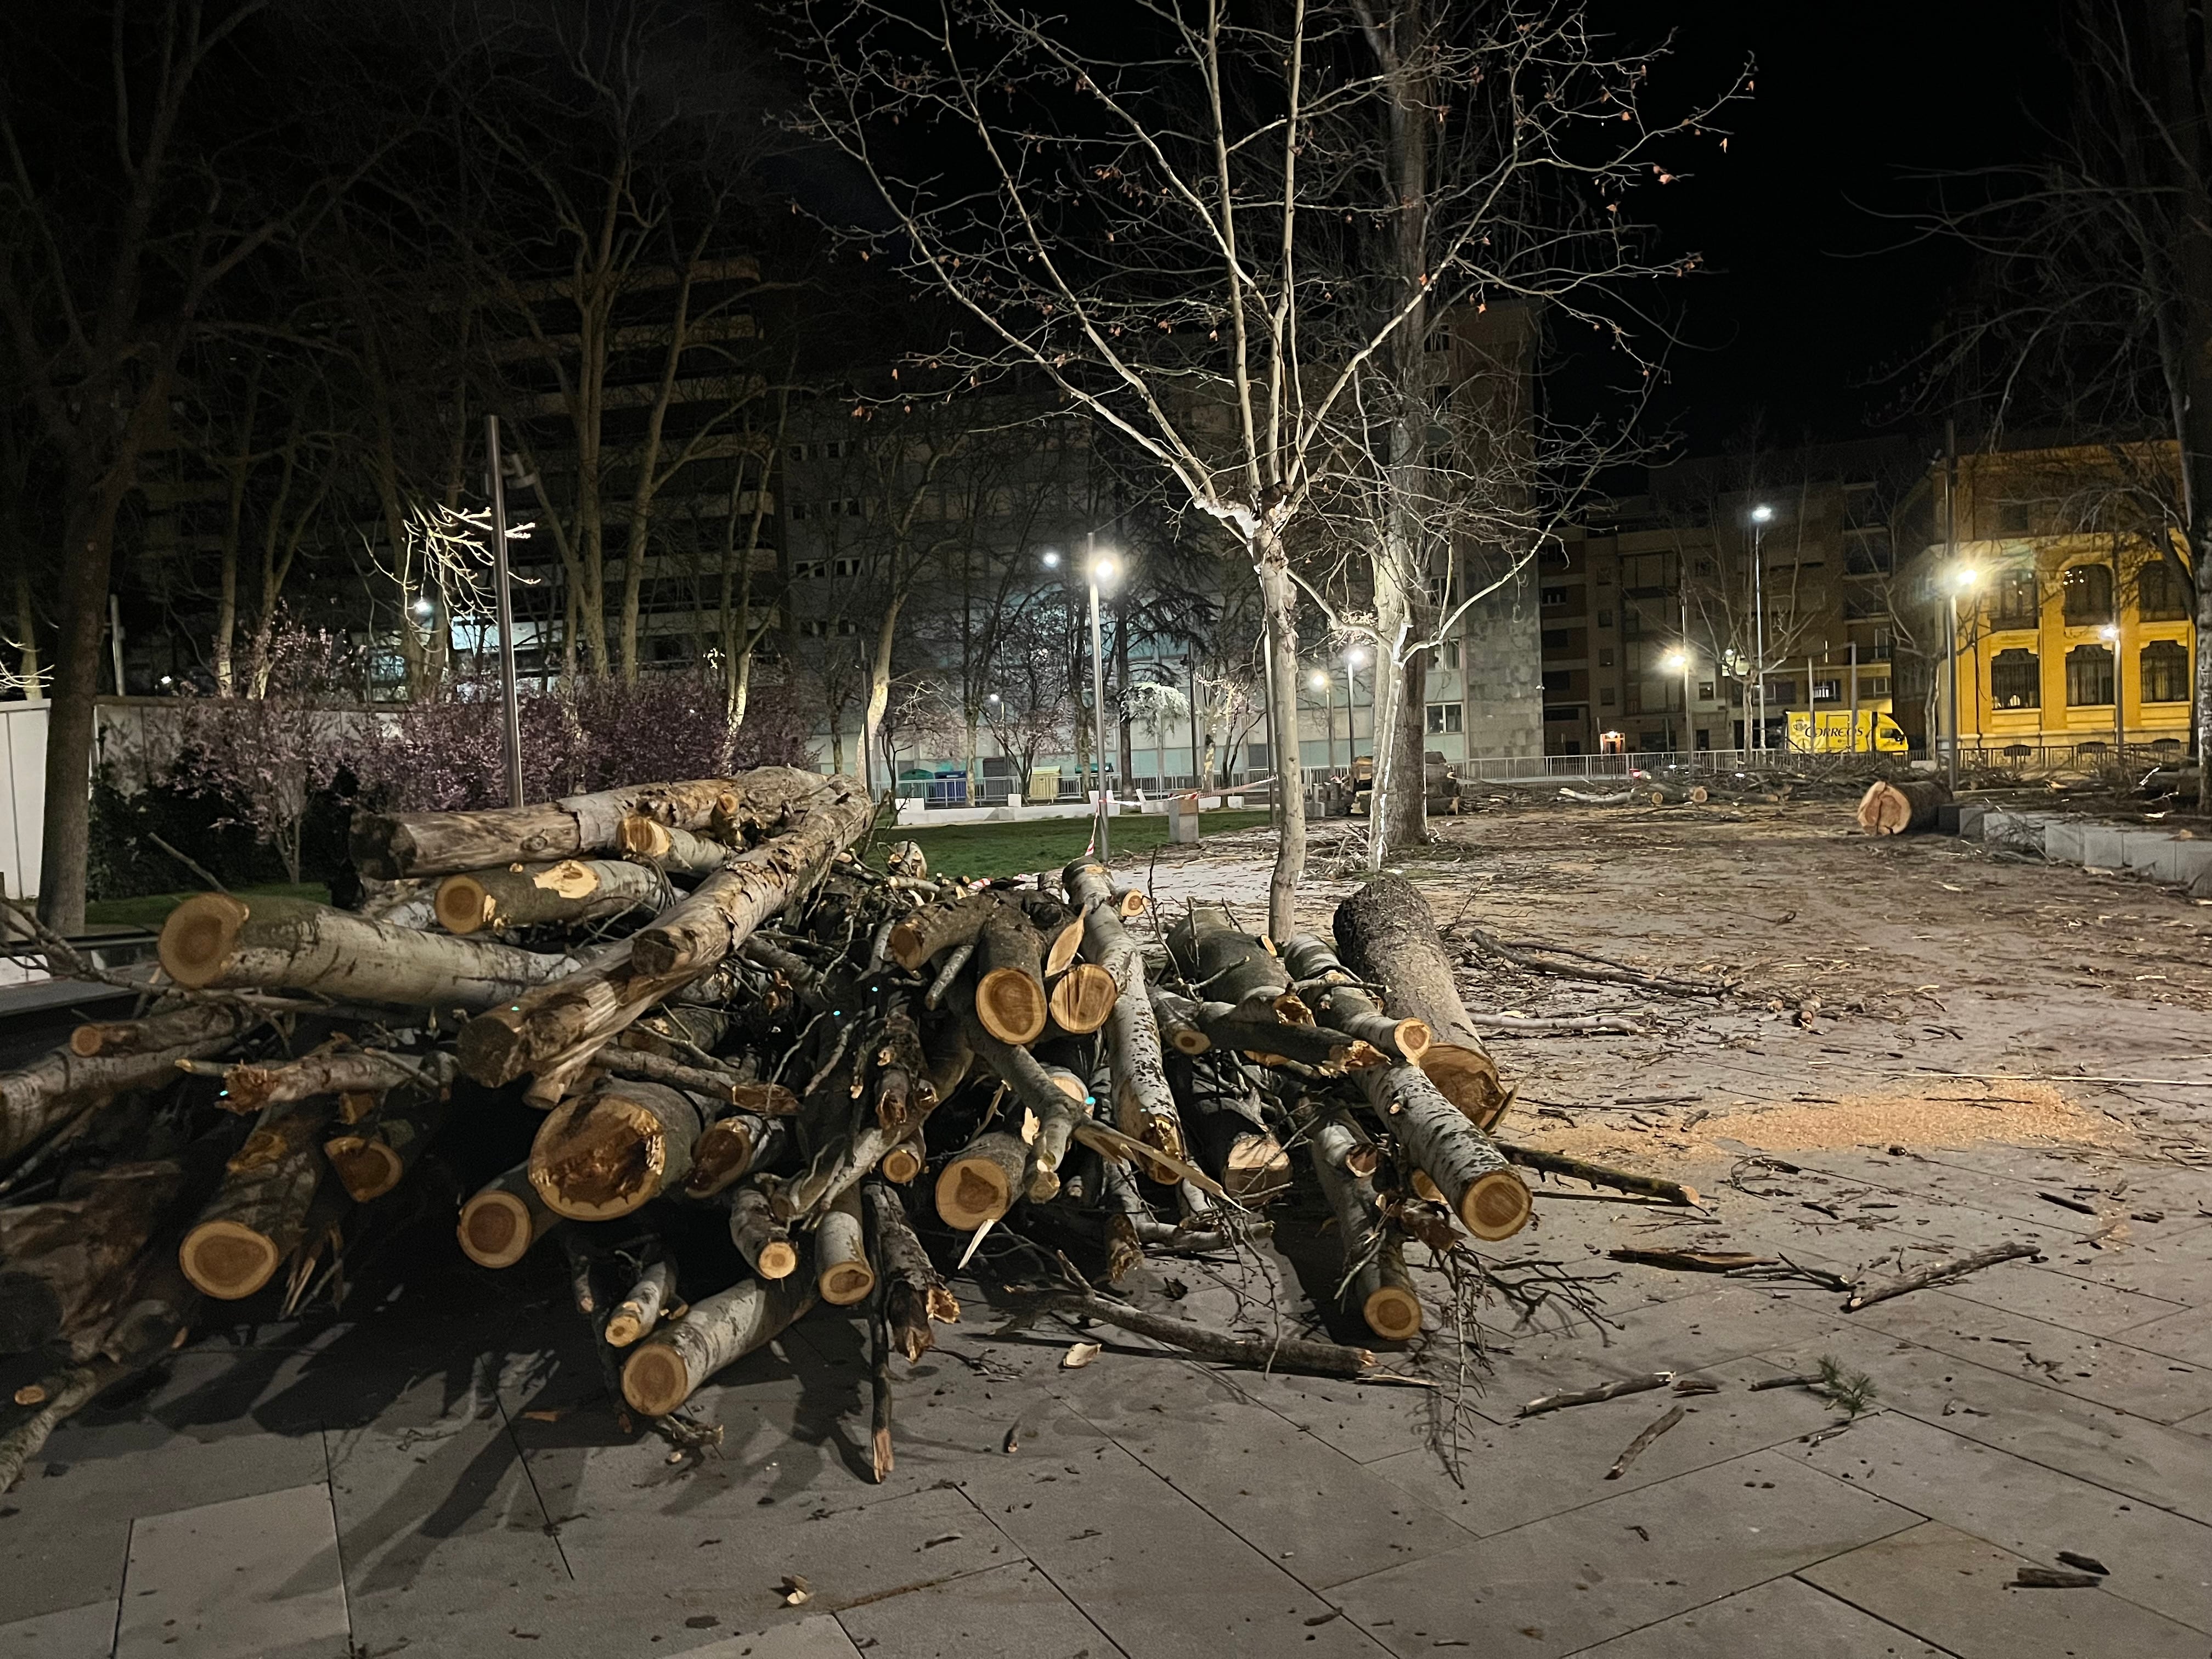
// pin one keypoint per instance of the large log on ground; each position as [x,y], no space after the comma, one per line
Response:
[260,1216]
[1470,1174]
[215,940]
[554,1027]
[1375,1276]
[1897,809]
[1144,1106]
[38,1099]
[574,889]
[64,1263]
[169,1028]
[1338,1001]
[388,848]
[1387,936]
[664,1370]
[1222,962]
[606,1153]
[503,1220]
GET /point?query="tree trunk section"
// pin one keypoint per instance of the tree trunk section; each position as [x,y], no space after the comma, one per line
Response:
[377,1155]
[1222,962]
[1375,1275]
[41,1097]
[1470,1174]
[503,1220]
[170,1028]
[332,1071]
[1010,995]
[760,1237]
[669,850]
[605,1154]
[939,928]
[981,1181]
[260,1216]
[636,1314]
[733,1148]
[1280,603]
[574,889]
[1387,936]
[1144,1106]
[1082,998]
[914,1292]
[841,1272]
[667,1369]
[1899,809]
[1338,1001]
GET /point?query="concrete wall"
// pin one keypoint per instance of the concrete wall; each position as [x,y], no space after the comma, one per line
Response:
[1502,659]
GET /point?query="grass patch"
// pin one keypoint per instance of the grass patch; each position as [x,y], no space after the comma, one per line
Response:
[150,911]
[1013,849]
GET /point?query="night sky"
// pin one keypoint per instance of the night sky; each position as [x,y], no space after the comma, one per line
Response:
[1850,102]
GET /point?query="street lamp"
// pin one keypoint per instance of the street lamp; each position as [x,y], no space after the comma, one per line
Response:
[1052,561]
[1680,659]
[2110,633]
[422,607]
[1760,515]
[1320,682]
[1098,567]
[1961,581]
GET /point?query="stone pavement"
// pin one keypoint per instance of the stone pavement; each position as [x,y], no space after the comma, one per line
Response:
[418,1476]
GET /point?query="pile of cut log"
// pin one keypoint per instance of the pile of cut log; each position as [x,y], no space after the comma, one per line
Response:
[731,1059]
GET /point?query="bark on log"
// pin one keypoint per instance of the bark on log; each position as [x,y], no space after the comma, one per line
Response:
[841,1272]
[1375,1276]
[260,1216]
[1010,996]
[1228,1136]
[214,939]
[553,1029]
[1144,1106]
[1940,1273]
[668,1368]
[939,928]
[574,889]
[733,1147]
[1338,1001]
[724,1088]
[1897,809]
[1599,1175]
[607,1153]
[636,1314]
[64,1263]
[1253,1029]
[336,1069]
[1222,962]
[914,1292]
[377,1155]
[1056,1096]
[400,845]
[1387,936]
[1082,998]
[39,1098]
[668,848]
[981,1181]
[1470,1176]
[760,1237]
[170,1028]
[503,1219]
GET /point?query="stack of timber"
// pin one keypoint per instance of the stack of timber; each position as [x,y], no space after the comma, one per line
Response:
[708,1055]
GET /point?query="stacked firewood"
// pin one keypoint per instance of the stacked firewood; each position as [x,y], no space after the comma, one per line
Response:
[730,1058]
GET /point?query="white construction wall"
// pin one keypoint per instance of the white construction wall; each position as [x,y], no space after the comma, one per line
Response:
[23,795]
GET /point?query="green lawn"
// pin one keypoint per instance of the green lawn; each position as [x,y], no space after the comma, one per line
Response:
[150,911]
[1013,849]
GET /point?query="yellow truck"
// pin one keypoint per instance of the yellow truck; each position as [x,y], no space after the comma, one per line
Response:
[1829,733]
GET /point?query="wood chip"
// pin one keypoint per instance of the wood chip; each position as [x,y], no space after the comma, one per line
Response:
[1080,1354]
[796,1590]
[31,1394]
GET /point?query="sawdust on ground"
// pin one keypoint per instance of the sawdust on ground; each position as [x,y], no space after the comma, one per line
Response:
[1942,1112]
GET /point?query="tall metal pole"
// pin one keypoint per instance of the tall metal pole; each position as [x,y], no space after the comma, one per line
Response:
[510,708]
[1759,627]
[1951,587]
[1098,697]
[1854,671]
[1689,737]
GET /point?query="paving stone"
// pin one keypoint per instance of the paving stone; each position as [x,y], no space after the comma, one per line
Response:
[1012,1612]
[2060,1298]
[85,1632]
[2103,1369]
[817,1637]
[2186,1335]
[2160,1560]
[67,1541]
[252,1578]
[1746,1625]
[1564,1584]
[1157,1573]
[1574,1448]
[1956,1591]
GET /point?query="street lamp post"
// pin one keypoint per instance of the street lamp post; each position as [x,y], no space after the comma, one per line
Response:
[1321,682]
[1681,660]
[2111,633]
[1760,515]
[1353,659]
[1095,569]
[1961,580]
[511,722]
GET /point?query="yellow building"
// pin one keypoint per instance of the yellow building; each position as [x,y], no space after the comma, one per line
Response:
[2073,628]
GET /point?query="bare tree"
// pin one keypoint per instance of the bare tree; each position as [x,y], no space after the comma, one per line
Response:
[1149,223]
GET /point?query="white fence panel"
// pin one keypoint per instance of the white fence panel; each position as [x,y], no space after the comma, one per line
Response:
[22,794]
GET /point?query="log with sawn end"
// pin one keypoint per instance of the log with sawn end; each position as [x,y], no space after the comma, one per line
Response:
[535,895]
[668,1367]
[1144,1105]
[502,1219]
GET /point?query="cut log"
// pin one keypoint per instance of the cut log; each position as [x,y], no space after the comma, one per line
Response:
[1222,962]
[40,1099]
[339,1069]
[636,1314]
[733,1147]
[502,1221]
[390,848]
[1375,1276]
[260,1216]
[184,1026]
[762,1239]
[1897,809]
[554,1027]
[1010,996]
[214,939]
[1056,1096]
[724,1088]
[668,848]
[574,889]
[904,1161]
[606,1153]
[914,1292]
[1338,1001]
[376,1156]
[981,1181]
[841,1272]
[1470,1176]
[1938,1272]
[664,1370]
[64,1264]
[1083,999]
[1600,1174]
[939,928]
[1229,1133]
[1255,1030]
[1386,934]
[1144,1106]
